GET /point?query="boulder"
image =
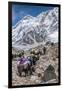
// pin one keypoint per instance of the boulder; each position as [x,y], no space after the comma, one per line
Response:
[49,74]
[34,78]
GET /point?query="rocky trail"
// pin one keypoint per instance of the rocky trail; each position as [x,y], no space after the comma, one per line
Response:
[50,58]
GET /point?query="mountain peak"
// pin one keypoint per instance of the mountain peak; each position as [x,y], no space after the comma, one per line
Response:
[31,31]
[27,17]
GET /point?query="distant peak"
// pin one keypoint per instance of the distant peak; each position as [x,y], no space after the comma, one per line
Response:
[27,17]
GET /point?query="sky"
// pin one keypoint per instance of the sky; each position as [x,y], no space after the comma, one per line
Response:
[19,11]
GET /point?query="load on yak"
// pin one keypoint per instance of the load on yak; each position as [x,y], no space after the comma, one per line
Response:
[18,54]
[38,51]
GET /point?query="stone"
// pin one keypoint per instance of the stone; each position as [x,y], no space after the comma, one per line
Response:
[38,81]
[50,81]
[34,78]
[49,74]
[38,70]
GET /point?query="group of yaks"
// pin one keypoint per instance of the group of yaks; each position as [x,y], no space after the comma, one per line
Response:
[26,64]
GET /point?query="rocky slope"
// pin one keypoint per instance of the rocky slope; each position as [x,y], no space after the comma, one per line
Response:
[50,58]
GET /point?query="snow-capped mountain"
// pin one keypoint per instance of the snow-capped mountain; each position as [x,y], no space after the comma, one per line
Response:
[31,31]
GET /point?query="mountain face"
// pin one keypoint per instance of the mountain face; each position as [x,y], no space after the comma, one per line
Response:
[31,31]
